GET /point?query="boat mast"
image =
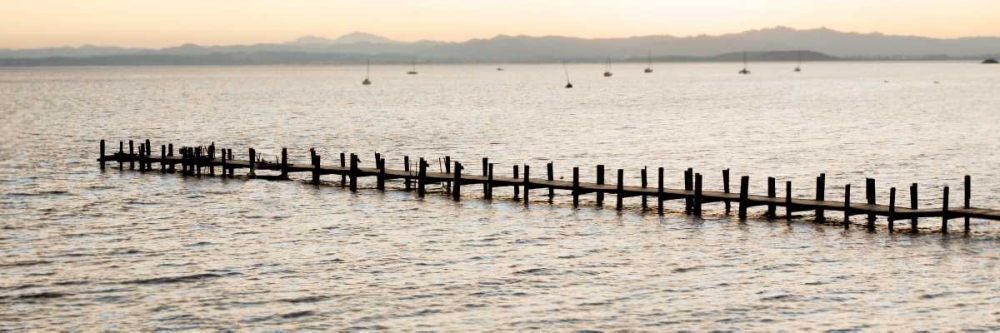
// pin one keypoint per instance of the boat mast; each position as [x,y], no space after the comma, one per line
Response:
[567,72]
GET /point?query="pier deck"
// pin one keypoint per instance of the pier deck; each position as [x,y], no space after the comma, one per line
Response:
[194,160]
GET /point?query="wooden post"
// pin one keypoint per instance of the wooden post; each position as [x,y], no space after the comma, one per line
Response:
[312,155]
[253,163]
[968,198]
[892,209]
[820,195]
[870,195]
[140,156]
[421,177]
[149,156]
[527,184]
[170,153]
[197,160]
[788,200]
[343,164]
[725,189]
[131,156]
[184,160]
[316,169]
[600,181]
[447,169]
[193,156]
[644,184]
[488,188]
[697,194]
[102,154]
[354,173]
[659,191]
[688,186]
[744,188]
[224,162]
[913,205]
[847,206]
[142,153]
[516,189]
[380,164]
[227,170]
[620,190]
[211,159]
[576,187]
[406,168]
[486,173]
[944,212]
[284,163]
[192,161]
[456,191]
[163,158]
[771,193]
[551,177]
[121,154]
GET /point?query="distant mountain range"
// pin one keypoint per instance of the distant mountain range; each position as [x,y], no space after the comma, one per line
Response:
[772,44]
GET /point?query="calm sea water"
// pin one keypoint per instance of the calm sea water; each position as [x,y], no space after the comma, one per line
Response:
[92,250]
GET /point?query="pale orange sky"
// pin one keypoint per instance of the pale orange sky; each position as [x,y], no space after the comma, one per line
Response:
[161,23]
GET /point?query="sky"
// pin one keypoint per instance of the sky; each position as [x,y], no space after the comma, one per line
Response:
[164,23]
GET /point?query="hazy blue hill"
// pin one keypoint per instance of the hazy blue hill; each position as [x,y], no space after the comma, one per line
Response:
[775,56]
[82,51]
[502,48]
[351,38]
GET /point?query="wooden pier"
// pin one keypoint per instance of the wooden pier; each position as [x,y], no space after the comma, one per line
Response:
[199,160]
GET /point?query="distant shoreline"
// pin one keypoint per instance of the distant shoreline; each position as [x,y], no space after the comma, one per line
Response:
[340,59]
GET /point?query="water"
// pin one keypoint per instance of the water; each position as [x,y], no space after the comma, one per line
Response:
[82,249]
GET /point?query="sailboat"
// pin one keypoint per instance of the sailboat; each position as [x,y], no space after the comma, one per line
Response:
[368,74]
[798,61]
[744,71]
[607,68]
[568,84]
[414,70]
[649,62]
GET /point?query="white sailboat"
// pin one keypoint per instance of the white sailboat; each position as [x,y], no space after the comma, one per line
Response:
[745,71]
[607,68]
[798,61]
[413,71]
[649,62]
[368,74]
[569,85]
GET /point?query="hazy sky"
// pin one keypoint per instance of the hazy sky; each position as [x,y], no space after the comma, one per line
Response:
[159,23]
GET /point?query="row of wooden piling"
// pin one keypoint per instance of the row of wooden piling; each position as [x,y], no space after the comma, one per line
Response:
[193,159]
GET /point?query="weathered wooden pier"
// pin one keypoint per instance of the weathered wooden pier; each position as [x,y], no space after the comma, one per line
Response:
[196,160]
